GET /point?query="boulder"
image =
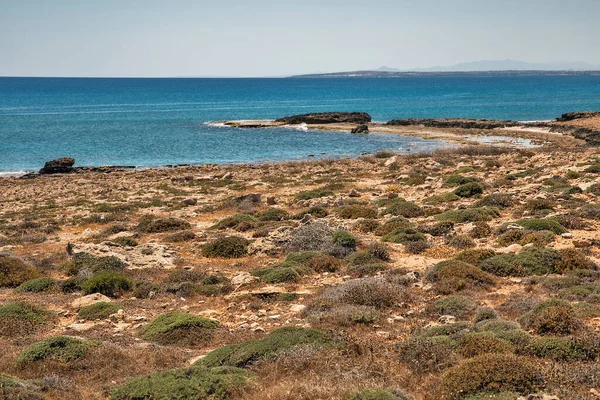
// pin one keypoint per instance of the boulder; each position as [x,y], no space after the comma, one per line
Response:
[59,166]
[327,118]
[360,129]
[89,300]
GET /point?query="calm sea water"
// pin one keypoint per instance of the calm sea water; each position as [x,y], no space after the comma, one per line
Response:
[149,122]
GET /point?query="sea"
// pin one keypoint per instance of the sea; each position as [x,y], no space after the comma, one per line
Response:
[156,122]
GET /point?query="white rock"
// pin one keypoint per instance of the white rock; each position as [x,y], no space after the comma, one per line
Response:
[243,278]
[391,160]
[89,300]
[81,327]
[567,235]
[513,248]
[297,308]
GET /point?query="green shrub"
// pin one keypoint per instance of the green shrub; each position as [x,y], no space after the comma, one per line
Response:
[277,274]
[475,256]
[537,238]
[365,269]
[503,265]
[417,247]
[60,348]
[499,200]
[438,229]
[21,318]
[14,272]
[227,247]
[477,343]
[494,396]
[195,383]
[108,283]
[564,349]
[485,314]
[391,224]
[402,208]
[242,354]
[551,317]
[180,237]
[442,198]
[179,328]
[444,330]
[480,230]
[368,225]
[273,214]
[163,225]
[16,389]
[374,292]
[491,373]
[314,194]
[125,241]
[72,284]
[424,354]
[457,180]
[573,259]
[454,276]
[316,212]
[344,238]
[235,221]
[469,215]
[378,394]
[100,310]
[36,285]
[344,314]
[537,261]
[404,236]
[302,257]
[542,224]
[456,305]
[355,211]
[359,257]
[86,264]
[469,189]
[461,242]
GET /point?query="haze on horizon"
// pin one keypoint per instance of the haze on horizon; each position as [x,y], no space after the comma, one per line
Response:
[154,38]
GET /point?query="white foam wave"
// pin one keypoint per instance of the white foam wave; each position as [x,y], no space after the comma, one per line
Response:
[12,174]
[216,124]
[302,127]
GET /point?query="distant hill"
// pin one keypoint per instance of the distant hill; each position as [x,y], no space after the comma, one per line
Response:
[475,68]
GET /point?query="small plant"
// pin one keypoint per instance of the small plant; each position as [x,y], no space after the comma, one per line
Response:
[355,211]
[125,241]
[391,224]
[245,353]
[227,247]
[344,239]
[278,274]
[402,208]
[461,242]
[480,230]
[314,194]
[498,200]
[475,256]
[180,237]
[236,222]
[438,229]
[543,224]
[469,215]
[503,265]
[552,317]
[564,349]
[302,257]
[194,383]
[477,343]
[96,311]
[163,225]
[417,247]
[85,264]
[454,276]
[469,189]
[422,354]
[378,394]
[325,263]
[14,272]
[273,214]
[456,305]
[373,292]
[403,235]
[36,285]
[492,373]
[380,251]
[179,329]
[457,180]
[21,318]
[108,283]
[60,348]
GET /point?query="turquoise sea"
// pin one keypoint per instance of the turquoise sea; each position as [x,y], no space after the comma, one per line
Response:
[151,122]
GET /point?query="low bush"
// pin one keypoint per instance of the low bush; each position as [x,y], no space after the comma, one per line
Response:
[492,373]
[108,283]
[391,224]
[359,257]
[85,264]
[552,317]
[100,310]
[365,269]
[245,353]
[17,389]
[572,260]
[469,215]
[374,292]
[444,330]
[485,314]
[457,180]
[378,394]
[536,261]
[344,315]
[417,247]
[278,274]
[402,208]
[503,265]
[478,343]
[475,256]
[312,237]
[72,284]
[273,214]
[316,212]
[344,239]
[438,229]
[461,242]
[226,247]
[480,230]
[180,329]
[21,318]
[423,354]
[235,222]
[498,200]
[469,189]
[14,272]
[314,194]
[59,348]
[355,211]
[160,225]
[442,198]
[564,349]
[403,235]
[456,305]
[194,383]
[325,263]
[380,251]
[36,285]
[542,224]
[125,241]
[368,225]
[302,257]
[454,276]
[180,237]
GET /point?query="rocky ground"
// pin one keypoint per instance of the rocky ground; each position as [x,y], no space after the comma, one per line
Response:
[468,273]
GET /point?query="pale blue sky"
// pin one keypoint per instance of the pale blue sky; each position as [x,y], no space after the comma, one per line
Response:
[271,38]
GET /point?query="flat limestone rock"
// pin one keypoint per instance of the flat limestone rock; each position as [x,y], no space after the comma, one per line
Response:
[89,300]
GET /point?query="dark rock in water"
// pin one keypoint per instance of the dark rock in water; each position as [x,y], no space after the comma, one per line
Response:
[360,129]
[327,118]
[59,166]
[454,123]
[577,115]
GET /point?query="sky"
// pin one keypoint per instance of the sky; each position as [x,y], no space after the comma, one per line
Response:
[152,38]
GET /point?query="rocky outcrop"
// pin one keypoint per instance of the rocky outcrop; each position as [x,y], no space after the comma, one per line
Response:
[59,166]
[454,123]
[327,118]
[577,115]
[361,129]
